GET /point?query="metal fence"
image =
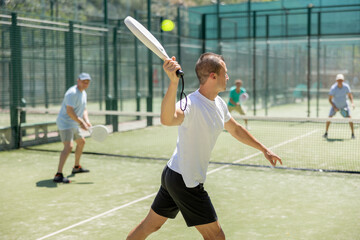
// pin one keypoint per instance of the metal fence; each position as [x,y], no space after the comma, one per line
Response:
[281,54]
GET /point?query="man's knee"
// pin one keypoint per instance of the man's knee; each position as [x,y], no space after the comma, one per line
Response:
[67,147]
[80,141]
[220,235]
[211,231]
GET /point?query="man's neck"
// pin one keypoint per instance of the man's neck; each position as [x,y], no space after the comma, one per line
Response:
[208,93]
[78,87]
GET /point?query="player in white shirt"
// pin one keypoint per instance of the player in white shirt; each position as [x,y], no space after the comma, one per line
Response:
[338,94]
[204,118]
[73,116]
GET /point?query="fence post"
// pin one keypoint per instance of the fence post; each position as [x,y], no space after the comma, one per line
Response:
[45,69]
[114,104]
[308,57]
[178,57]
[161,61]
[267,66]
[69,56]
[15,80]
[203,32]
[106,73]
[254,62]
[318,66]
[23,115]
[3,70]
[137,84]
[149,99]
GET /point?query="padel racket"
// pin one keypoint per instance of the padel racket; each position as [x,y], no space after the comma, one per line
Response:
[344,112]
[155,46]
[98,133]
[148,39]
[244,97]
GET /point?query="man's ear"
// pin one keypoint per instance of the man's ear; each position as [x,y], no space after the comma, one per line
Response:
[213,75]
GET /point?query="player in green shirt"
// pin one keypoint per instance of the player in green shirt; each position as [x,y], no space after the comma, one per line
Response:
[234,99]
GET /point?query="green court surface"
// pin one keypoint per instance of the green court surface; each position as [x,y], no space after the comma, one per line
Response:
[251,203]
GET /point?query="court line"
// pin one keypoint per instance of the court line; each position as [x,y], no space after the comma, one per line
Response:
[153,194]
[97,216]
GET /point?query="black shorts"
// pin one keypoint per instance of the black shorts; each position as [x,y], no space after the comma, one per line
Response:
[194,203]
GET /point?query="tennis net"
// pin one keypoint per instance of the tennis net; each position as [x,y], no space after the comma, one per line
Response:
[298,141]
[301,143]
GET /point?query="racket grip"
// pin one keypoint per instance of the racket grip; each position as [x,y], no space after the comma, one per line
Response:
[179,73]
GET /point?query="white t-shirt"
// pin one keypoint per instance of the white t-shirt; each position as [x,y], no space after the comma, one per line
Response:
[339,94]
[204,121]
[75,99]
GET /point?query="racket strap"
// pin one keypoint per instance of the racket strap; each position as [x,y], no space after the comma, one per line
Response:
[182,95]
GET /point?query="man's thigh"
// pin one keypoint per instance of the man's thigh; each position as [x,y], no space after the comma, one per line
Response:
[68,135]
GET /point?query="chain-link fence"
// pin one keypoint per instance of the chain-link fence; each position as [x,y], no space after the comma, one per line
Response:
[283,56]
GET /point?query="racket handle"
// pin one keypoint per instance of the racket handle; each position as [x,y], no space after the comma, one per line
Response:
[179,73]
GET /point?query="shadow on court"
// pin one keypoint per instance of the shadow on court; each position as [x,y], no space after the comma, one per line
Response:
[46,183]
[49,183]
[336,139]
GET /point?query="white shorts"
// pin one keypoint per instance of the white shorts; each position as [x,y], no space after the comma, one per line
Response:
[71,134]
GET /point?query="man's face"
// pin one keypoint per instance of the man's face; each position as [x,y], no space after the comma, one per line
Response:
[223,77]
[83,84]
[339,82]
[238,85]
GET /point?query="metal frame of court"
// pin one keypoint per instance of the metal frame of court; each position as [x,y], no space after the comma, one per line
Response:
[114,44]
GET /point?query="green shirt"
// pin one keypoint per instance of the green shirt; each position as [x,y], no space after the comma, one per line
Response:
[234,95]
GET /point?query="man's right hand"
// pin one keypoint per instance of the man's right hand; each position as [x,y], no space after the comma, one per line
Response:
[170,67]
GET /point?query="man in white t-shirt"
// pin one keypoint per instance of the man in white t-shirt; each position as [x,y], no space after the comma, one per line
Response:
[72,115]
[204,118]
[338,94]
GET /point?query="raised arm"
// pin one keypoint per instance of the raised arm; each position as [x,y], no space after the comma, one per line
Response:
[242,135]
[170,115]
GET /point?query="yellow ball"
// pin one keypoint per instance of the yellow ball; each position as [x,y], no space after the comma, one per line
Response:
[167,25]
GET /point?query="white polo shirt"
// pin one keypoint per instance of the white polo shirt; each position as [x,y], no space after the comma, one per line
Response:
[204,121]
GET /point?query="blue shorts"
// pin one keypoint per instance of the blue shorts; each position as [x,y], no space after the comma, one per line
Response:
[173,196]
[345,112]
